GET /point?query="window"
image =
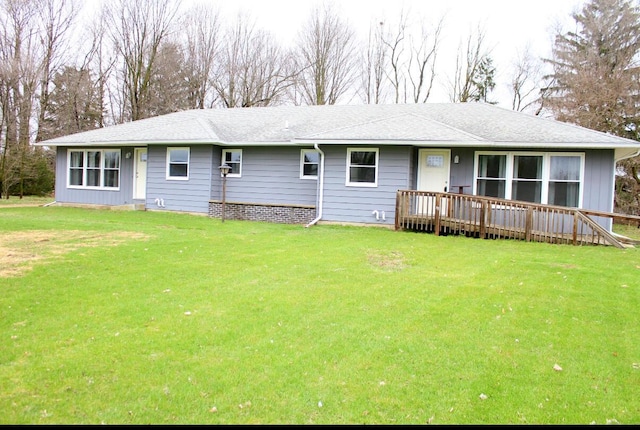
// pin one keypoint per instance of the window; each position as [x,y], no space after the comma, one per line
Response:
[564,180]
[178,163]
[111,168]
[94,168]
[527,178]
[76,168]
[233,158]
[309,161]
[492,175]
[362,167]
[550,178]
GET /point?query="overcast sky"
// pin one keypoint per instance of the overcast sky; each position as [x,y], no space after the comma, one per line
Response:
[509,24]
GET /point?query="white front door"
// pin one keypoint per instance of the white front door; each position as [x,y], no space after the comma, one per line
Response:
[433,170]
[140,173]
[433,175]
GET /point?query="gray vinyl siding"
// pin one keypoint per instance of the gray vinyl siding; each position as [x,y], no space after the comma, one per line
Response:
[190,195]
[269,176]
[599,187]
[121,196]
[598,180]
[356,204]
[462,173]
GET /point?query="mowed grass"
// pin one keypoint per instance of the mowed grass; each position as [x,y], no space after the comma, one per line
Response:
[26,200]
[157,318]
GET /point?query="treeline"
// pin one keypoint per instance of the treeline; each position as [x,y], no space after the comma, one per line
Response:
[65,70]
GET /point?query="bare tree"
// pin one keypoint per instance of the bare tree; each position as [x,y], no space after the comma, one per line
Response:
[253,70]
[422,63]
[56,18]
[395,45]
[526,82]
[326,57]
[374,70]
[474,72]
[101,62]
[19,59]
[202,41]
[137,29]
[412,59]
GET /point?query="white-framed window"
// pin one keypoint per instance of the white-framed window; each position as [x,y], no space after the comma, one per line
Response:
[565,173]
[540,177]
[178,163]
[233,158]
[309,163]
[362,167]
[93,168]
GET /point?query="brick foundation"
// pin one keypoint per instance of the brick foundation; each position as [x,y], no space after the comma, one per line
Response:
[284,214]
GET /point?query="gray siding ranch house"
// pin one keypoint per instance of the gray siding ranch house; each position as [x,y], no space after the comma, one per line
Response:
[339,163]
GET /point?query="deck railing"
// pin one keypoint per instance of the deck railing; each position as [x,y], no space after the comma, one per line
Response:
[488,217]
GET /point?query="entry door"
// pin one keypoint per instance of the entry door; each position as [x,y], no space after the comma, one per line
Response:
[140,173]
[433,175]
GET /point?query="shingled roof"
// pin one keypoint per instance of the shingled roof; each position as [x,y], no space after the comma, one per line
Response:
[430,124]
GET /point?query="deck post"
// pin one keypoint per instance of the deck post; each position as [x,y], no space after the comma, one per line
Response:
[483,219]
[528,224]
[575,227]
[437,214]
[399,211]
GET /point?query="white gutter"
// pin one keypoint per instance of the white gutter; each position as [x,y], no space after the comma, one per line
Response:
[321,185]
[624,157]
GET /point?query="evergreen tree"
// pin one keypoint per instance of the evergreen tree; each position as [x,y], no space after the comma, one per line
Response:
[484,80]
[74,104]
[597,81]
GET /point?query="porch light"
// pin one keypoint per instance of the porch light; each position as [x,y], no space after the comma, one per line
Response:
[224,170]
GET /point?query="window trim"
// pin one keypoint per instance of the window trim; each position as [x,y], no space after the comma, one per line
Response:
[546,171]
[168,163]
[101,168]
[374,184]
[302,163]
[223,160]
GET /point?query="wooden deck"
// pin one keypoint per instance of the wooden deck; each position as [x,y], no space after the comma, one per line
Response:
[492,218]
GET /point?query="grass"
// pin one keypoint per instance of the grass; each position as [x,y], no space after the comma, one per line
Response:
[26,200]
[158,318]
[629,230]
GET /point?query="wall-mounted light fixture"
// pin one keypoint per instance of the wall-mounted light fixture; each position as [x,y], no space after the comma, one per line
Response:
[456,159]
[127,154]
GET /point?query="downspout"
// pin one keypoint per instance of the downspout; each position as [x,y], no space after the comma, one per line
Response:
[321,187]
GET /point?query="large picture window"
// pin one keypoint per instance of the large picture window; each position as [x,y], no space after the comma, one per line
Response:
[93,168]
[362,167]
[178,163]
[549,178]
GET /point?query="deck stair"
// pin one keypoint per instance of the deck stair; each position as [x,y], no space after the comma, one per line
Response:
[493,218]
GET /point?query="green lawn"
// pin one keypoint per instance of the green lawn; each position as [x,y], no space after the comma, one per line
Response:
[26,200]
[140,317]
